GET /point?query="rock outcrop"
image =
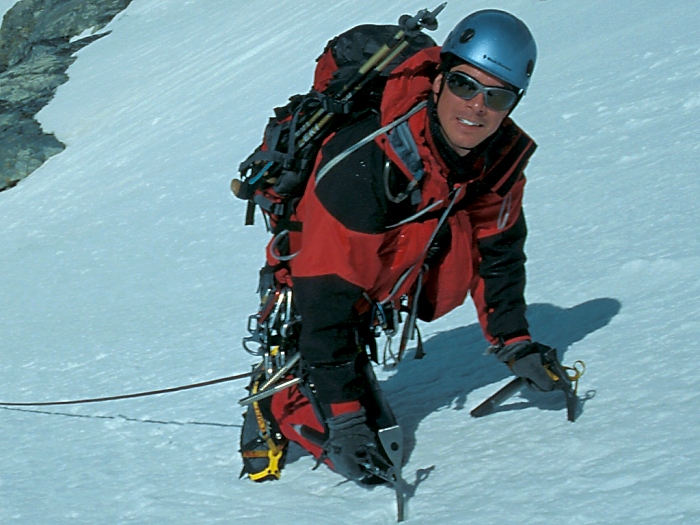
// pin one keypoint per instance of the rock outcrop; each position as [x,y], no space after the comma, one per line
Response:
[38,41]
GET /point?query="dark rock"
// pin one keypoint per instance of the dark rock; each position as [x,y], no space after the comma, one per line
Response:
[35,53]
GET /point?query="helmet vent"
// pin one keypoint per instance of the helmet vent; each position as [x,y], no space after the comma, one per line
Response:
[466,36]
[530,68]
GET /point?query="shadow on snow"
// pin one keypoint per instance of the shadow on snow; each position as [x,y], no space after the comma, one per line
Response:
[455,365]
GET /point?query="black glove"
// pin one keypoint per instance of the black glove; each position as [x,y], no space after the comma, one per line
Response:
[536,363]
[352,446]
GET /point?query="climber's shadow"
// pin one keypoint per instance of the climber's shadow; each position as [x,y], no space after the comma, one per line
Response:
[455,365]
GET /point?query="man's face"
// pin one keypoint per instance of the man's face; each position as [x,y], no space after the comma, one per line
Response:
[467,123]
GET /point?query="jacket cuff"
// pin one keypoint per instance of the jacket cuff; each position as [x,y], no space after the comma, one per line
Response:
[514,337]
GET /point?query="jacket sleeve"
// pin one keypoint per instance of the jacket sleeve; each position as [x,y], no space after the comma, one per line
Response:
[499,285]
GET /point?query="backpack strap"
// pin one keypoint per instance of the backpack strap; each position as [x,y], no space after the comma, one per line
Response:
[369,138]
[405,146]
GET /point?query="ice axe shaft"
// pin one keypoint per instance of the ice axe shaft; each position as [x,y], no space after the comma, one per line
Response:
[492,402]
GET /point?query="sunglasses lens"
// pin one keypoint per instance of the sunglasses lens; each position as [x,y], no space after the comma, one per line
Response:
[467,88]
[500,99]
[462,86]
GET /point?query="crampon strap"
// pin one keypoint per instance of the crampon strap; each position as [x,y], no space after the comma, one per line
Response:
[273,452]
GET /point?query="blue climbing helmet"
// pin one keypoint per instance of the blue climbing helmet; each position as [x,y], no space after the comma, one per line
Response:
[495,42]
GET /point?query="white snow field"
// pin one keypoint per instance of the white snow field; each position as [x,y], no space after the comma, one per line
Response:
[126,267]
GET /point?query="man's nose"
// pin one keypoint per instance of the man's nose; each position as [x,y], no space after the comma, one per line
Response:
[478,103]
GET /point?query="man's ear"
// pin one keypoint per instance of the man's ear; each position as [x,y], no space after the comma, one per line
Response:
[437,84]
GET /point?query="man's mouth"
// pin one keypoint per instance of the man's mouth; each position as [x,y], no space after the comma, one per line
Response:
[469,122]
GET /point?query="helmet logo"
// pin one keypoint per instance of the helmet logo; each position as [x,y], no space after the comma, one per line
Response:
[466,36]
[494,61]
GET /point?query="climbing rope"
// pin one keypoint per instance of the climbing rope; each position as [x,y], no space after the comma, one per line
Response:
[131,396]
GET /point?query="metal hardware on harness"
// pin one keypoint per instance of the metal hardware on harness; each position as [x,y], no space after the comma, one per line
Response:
[274,252]
[269,392]
[396,199]
[281,372]
[258,322]
[271,329]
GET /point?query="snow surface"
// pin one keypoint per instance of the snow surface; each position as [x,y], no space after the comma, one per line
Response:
[5,6]
[126,267]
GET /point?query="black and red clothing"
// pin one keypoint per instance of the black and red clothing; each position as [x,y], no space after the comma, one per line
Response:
[354,245]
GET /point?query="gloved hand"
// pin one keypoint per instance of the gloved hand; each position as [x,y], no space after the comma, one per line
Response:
[352,446]
[528,360]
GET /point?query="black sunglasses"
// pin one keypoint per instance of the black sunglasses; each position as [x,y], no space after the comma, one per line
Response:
[466,87]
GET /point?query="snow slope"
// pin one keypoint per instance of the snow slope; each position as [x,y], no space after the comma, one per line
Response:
[126,267]
[5,6]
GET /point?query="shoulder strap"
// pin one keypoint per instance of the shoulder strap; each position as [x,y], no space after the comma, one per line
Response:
[405,146]
[369,138]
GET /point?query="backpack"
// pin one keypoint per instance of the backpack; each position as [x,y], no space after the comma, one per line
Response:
[349,79]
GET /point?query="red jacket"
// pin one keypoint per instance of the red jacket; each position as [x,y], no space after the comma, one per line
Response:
[352,249]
